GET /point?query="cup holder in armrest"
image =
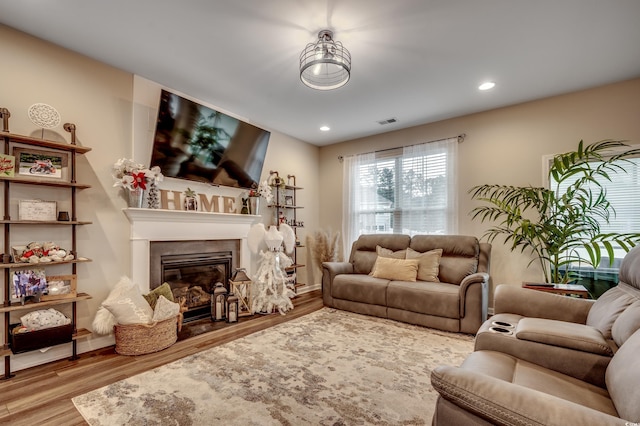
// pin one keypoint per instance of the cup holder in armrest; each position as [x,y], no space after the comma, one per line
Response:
[502,324]
[501,330]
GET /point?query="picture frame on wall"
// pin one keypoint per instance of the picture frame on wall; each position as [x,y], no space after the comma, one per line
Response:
[38,164]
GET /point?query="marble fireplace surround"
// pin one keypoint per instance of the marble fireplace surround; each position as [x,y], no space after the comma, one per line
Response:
[149,225]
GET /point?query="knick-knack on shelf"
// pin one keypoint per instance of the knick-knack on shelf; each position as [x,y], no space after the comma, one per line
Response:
[190,200]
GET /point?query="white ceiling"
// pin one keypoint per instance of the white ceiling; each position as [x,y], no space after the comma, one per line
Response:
[418,61]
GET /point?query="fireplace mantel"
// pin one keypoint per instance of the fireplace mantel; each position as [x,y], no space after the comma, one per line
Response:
[175,225]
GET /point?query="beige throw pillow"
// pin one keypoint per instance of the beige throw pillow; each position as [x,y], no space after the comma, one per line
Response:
[428,264]
[396,269]
[165,309]
[385,252]
[127,304]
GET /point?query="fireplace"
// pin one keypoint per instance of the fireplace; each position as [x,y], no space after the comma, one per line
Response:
[192,269]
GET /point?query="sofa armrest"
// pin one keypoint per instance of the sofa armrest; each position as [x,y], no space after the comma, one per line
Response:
[481,279]
[504,403]
[537,304]
[329,272]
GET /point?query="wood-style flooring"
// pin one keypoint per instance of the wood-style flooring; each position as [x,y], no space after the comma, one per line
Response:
[42,395]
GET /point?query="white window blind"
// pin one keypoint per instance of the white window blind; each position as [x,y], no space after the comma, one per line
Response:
[410,190]
[623,193]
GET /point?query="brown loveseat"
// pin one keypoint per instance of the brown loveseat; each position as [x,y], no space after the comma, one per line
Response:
[562,361]
[458,302]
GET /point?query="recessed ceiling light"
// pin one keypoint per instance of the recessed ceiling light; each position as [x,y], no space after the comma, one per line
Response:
[325,128]
[487,85]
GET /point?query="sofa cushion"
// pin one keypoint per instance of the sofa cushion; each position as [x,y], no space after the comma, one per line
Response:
[626,324]
[363,252]
[561,333]
[460,254]
[439,299]
[608,307]
[429,264]
[623,377]
[396,269]
[385,252]
[360,288]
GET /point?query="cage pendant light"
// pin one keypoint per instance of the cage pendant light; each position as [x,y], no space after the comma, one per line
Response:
[325,64]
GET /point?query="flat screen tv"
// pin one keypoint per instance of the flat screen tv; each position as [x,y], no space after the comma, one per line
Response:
[197,143]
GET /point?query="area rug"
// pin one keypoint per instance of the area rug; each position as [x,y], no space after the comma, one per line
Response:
[327,368]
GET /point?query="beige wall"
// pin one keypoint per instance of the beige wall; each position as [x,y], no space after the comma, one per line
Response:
[503,146]
[99,99]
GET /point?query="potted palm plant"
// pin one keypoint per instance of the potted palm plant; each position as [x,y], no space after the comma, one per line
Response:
[556,224]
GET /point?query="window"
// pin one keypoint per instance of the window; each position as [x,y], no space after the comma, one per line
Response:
[410,190]
[623,193]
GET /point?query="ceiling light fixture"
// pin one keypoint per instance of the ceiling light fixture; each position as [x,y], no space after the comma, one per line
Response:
[325,128]
[486,86]
[325,64]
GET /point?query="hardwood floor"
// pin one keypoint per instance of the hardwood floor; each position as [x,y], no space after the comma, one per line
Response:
[42,395]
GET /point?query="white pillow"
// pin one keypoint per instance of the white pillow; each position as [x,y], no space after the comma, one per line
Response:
[127,305]
[103,322]
[44,318]
[165,309]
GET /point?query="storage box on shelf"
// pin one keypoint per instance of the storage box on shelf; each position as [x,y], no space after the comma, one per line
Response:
[67,180]
[286,211]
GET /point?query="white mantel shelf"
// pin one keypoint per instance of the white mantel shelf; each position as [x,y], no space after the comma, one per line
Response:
[178,225]
[163,215]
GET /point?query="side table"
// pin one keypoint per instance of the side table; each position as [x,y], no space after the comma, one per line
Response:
[575,290]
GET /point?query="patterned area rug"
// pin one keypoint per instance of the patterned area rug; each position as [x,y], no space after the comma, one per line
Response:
[327,368]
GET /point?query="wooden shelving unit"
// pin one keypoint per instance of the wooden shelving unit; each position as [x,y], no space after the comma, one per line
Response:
[9,265]
[286,206]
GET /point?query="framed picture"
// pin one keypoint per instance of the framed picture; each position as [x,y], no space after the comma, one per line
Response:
[60,287]
[27,283]
[288,200]
[39,210]
[7,165]
[41,163]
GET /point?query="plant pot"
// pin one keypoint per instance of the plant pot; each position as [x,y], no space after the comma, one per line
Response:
[135,197]
[254,205]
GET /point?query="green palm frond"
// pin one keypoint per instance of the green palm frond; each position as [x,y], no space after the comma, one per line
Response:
[552,225]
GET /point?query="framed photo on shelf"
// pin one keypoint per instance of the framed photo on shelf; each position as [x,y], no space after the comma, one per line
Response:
[38,210]
[7,165]
[60,287]
[288,200]
[41,163]
[27,283]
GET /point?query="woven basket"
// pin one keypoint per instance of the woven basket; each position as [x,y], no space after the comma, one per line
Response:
[140,339]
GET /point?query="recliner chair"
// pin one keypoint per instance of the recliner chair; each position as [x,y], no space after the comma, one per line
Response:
[549,359]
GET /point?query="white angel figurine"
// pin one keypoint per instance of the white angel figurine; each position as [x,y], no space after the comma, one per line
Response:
[271,279]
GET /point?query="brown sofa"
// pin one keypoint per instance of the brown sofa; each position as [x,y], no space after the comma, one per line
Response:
[457,303]
[561,361]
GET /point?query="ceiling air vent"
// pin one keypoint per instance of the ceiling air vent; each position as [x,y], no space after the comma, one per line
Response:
[387,121]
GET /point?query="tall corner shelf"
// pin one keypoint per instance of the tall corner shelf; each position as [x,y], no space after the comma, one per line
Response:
[7,264]
[286,209]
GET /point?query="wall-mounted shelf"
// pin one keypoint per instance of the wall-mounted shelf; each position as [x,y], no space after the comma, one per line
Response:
[70,150]
[286,208]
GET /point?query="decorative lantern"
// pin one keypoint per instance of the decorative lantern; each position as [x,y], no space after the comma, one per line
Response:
[232,308]
[240,285]
[218,305]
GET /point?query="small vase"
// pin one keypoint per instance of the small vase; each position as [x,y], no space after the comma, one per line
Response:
[254,205]
[135,197]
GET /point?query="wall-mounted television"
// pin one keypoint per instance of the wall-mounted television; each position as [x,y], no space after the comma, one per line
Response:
[198,143]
